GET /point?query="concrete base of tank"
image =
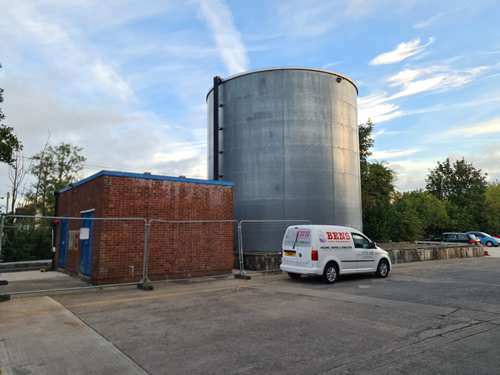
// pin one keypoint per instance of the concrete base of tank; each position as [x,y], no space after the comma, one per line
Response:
[399,253]
[259,261]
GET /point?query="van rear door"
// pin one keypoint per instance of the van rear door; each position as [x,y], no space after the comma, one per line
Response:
[297,247]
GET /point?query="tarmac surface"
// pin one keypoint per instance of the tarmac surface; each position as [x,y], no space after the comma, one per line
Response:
[436,317]
[40,336]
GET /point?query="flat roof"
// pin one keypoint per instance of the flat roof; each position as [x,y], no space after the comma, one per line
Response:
[145,176]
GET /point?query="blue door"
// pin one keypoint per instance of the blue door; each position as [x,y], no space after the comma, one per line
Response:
[86,246]
[63,244]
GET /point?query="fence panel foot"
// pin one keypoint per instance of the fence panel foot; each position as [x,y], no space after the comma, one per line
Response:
[240,276]
[145,286]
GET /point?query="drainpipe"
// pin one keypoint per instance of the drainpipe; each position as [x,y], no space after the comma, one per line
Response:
[217,81]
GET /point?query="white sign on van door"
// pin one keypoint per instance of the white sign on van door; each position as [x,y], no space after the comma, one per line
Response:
[335,240]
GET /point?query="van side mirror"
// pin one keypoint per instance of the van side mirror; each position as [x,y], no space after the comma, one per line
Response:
[373,245]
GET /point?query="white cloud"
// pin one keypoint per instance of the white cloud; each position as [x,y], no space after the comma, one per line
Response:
[491,127]
[402,52]
[331,65]
[433,19]
[383,155]
[111,82]
[380,107]
[411,172]
[227,37]
[374,107]
[434,78]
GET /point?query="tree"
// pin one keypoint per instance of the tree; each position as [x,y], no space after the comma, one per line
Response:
[55,168]
[417,214]
[463,187]
[377,191]
[365,141]
[17,172]
[493,196]
[460,183]
[377,187]
[493,203]
[9,144]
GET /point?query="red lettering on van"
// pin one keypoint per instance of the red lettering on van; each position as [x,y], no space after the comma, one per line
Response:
[329,234]
[342,236]
[347,237]
[335,236]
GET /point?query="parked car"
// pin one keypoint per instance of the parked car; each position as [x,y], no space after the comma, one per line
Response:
[456,237]
[486,239]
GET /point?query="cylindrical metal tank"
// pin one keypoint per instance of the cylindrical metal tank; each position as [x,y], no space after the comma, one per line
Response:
[288,139]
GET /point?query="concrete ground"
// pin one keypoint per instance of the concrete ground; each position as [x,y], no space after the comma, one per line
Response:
[437,317]
[493,251]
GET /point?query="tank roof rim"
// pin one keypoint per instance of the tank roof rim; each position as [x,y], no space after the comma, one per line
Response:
[287,68]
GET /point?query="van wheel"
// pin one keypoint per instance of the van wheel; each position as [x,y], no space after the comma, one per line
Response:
[294,276]
[330,273]
[382,269]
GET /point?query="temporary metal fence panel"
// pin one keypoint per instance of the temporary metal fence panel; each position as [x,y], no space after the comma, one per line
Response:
[26,244]
[118,244]
[123,251]
[189,249]
[253,228]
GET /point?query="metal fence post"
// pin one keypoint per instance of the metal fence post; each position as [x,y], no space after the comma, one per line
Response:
[241,275]
[145,283]
[1,234]
[240,238]
[3,297]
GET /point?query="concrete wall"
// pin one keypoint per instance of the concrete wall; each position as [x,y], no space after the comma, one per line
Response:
[399,253]
[435,253]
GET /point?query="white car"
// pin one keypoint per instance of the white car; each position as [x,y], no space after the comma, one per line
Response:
[329,251]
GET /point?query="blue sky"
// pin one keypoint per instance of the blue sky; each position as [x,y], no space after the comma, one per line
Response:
[127,80]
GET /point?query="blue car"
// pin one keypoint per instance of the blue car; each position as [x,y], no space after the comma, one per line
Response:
[486,239]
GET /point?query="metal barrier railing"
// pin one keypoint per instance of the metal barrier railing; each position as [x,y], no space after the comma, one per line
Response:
[145,281]
[240,234]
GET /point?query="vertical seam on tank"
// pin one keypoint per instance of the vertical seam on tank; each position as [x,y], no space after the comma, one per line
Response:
[283,186]
[332,109]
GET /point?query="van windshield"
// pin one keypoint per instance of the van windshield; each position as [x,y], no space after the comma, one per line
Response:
[297,237]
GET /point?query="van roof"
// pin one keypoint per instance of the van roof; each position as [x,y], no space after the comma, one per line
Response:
[312,226]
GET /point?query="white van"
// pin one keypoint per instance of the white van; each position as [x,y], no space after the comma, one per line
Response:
[329,251]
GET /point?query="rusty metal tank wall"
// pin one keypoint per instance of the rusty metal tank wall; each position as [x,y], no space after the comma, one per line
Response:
[289,142]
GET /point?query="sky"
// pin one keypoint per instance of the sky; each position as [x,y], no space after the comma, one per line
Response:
[127,80]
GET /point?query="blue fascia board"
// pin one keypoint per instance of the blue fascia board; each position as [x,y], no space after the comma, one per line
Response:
[145,177]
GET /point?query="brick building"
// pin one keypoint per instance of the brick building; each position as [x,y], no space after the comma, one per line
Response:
[105,250]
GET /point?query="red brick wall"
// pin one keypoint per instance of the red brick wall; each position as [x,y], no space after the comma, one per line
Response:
[174,250]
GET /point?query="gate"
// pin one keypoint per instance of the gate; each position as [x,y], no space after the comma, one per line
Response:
[86,244]
[63,244]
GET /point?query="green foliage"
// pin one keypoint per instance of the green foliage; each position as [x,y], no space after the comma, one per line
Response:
[404,223]
[25,243]
[55,168]
[9,144]
[365,140]
[492,212]
[377,190]
[457,198]
[492,196]
[416,215]
[460,183]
